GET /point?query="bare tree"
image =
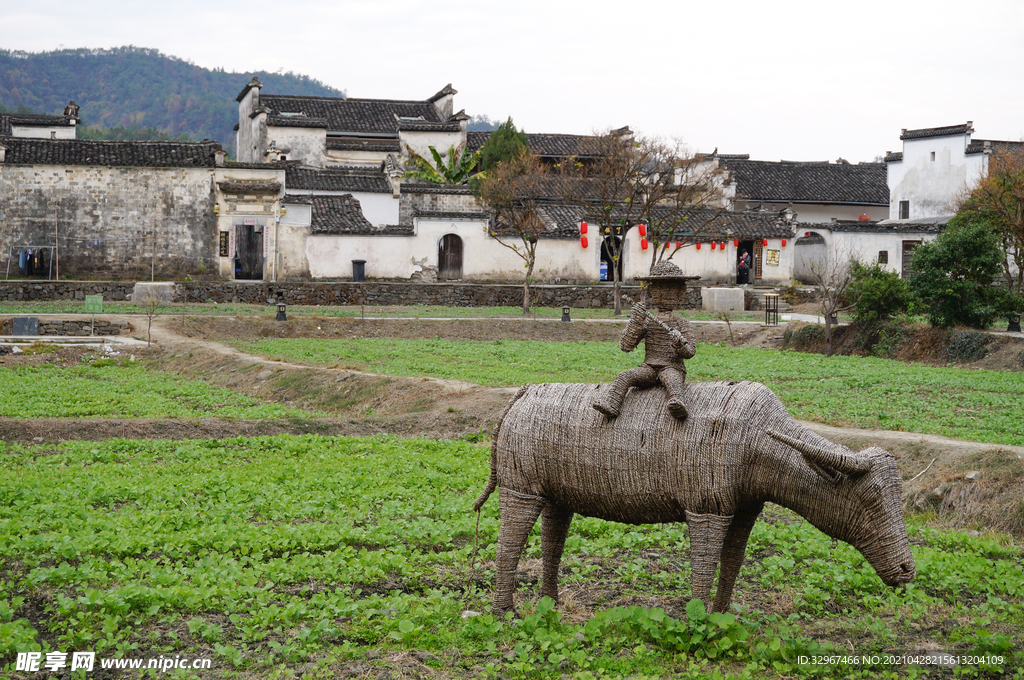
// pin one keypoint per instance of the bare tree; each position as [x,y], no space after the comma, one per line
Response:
[833,274]
[511,190]
[623,181]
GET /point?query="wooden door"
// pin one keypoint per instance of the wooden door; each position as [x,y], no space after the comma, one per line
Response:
[908,255]
[449,258]
[249,247]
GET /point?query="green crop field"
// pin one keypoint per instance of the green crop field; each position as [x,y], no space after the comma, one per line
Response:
[840,390]
[116,388]
[347,557]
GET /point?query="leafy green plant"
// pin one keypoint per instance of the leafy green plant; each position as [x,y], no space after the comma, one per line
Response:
[879,294]
[966,346]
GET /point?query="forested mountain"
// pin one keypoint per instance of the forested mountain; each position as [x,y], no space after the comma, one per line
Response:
[134,87]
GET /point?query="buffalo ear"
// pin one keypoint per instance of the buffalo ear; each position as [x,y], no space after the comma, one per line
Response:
[823,454]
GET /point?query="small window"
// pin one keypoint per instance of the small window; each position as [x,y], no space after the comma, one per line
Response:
[904,210]
[933,155]
[883,257]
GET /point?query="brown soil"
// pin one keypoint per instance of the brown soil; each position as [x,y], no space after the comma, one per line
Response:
[369,404]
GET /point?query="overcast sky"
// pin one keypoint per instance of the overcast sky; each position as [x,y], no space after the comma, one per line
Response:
[778,79]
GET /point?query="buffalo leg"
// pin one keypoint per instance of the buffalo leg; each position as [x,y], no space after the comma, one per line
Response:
[519,513]
[554,530]
[732,554]
[707,534]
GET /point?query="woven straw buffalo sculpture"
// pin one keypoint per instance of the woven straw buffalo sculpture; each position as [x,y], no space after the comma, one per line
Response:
[553,456]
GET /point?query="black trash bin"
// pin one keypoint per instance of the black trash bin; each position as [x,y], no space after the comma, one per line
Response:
[358,271]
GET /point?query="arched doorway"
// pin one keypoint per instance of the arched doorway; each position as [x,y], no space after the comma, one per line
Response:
[810,250]
[449,258]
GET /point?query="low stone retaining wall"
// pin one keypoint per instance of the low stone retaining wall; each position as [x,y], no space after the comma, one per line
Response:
[71,327]
[338,293]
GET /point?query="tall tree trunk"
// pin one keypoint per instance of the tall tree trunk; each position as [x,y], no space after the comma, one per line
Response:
[526,286]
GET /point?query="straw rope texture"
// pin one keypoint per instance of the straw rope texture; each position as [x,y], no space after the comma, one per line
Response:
[554,455]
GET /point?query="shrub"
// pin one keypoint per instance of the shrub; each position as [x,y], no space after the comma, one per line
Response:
[966,346]
[805,337]
[880,294]
[954,275]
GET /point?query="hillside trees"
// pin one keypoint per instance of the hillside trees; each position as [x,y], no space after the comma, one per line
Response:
[512,190]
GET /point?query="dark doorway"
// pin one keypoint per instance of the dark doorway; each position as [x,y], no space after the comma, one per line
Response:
[608,264]
[745,275]
[449,258]
[249,249]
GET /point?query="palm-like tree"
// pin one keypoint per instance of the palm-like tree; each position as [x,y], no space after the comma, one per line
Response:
[456,171]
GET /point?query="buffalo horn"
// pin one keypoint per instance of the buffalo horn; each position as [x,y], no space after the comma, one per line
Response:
[828,454]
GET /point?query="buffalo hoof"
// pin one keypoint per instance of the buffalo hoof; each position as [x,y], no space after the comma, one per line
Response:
[677,409]
[606,409]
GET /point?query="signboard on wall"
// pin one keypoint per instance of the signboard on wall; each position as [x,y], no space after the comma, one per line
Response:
[772,258]
[225,244]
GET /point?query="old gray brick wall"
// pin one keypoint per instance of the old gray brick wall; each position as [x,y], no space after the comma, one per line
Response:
[113,221]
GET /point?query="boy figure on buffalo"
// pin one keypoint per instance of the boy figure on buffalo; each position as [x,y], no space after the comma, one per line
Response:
[667,343]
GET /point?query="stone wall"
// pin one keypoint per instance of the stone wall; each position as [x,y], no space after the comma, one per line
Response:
[73,327]
[116,221]
[341,293]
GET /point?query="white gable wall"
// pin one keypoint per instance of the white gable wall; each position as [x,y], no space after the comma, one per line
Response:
[932,186]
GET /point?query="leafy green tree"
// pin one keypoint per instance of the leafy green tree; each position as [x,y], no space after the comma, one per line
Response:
[505,143]
[457,170]
[955,272]
[878,293]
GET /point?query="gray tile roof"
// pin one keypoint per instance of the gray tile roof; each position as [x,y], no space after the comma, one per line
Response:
[545,145]
[342,144]
[978,146]
[452,214]
[946,131]
[927,225]
[461,189]
[297,121]
[564,219]
[894,157]
[26,151]
[810,182]
[427,126]
[9,120]
[342,215]
[348,114]
[363,178]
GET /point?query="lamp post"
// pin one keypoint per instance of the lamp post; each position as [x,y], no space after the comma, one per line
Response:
[565,313]
[1014,326]
[281,316]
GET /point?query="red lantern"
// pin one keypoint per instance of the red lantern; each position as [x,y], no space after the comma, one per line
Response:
[764,242]
[643,230]
[583,227]
[783,243]
[736,242]
[698,246]
[679,244]
[643,244]
[722,245]
[584,242]
[713,244]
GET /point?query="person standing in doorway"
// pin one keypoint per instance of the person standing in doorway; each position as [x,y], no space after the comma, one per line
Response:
[743,268]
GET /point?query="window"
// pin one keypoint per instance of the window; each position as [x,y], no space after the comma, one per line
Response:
[933,155]
[883,257]
[904,210]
